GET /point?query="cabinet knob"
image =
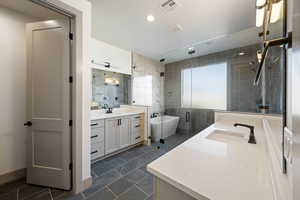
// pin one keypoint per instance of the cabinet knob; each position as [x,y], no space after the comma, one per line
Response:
[107,64]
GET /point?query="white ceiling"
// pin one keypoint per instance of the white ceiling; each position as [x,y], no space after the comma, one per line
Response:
[210,26]
[30,9]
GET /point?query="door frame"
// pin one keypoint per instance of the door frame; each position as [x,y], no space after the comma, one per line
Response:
[81,86]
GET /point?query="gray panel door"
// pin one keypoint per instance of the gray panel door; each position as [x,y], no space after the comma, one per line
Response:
[49,136]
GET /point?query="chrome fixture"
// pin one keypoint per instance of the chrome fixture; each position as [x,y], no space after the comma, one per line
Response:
[252,139]
[104,64]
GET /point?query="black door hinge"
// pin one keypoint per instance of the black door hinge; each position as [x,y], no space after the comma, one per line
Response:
[70,79]
[71,36]
[70,166]
[70,122]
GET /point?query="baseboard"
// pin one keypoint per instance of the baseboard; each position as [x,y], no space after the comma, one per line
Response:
[12,176]
[87,183]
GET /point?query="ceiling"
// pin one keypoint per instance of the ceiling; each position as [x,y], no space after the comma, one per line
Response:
[209,26]
[30,9]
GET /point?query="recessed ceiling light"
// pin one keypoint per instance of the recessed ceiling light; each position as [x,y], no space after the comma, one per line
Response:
[242,53]
[150,18]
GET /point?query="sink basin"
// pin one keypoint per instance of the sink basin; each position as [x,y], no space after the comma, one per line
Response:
[227,136]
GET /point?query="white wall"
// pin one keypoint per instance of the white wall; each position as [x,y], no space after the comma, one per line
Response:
[12,90]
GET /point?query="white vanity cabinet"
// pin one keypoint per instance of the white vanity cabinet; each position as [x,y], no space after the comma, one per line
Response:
[113,134]
[137,129]
[125,132]
[97,139]
[118,134]
[101,53]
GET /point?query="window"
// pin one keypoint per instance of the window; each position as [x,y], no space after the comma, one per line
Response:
[142,90]
[205,87]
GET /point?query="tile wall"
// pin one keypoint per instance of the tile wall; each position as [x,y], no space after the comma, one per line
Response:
[242,95]
[145,66]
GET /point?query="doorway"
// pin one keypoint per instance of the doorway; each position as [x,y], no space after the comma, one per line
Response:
[38,84]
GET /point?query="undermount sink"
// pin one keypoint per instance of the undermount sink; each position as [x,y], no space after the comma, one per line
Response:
[227,136]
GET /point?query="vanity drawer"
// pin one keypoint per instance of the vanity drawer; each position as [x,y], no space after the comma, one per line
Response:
[137,125]
[136,137]
[97,123]
[97,150]
[97,135]
[138,118]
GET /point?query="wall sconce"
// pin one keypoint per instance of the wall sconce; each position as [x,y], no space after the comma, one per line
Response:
[268,11]
[112,81]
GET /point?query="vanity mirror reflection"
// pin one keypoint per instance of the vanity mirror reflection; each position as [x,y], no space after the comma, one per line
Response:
[110,89]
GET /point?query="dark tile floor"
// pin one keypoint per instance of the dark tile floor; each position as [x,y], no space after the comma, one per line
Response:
[121,177]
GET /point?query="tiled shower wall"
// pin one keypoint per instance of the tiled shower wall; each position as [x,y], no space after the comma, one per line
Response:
[242,96]
[145,66]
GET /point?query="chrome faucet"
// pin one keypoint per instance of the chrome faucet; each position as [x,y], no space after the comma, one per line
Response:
[252,139]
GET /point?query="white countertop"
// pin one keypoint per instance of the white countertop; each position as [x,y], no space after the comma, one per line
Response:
[205,168]
[100,114]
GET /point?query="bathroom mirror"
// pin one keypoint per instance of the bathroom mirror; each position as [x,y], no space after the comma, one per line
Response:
[218,74]
[110,89]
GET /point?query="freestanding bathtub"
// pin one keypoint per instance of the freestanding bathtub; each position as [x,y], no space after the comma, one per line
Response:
[163,127]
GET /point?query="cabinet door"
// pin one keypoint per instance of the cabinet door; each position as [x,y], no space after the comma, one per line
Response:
[125,132]
[101,52]
[112,138]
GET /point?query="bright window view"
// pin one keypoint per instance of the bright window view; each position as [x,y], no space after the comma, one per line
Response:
[142,90]
[205,87]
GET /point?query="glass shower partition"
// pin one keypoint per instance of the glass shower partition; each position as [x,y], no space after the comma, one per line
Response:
[177,120]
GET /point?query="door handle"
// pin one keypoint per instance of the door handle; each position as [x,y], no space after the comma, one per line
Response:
[29,123]
[137,126]
[95,124]
[187,117]
[120,121]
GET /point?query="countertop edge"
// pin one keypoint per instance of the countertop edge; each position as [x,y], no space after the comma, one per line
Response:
[176,184]
[120,115]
